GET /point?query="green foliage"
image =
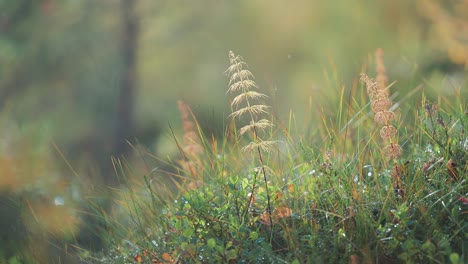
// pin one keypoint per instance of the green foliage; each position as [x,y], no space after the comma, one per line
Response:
[334,195]
[325,208]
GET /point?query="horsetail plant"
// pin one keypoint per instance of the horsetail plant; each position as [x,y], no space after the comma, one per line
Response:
[384,115]
[249,103]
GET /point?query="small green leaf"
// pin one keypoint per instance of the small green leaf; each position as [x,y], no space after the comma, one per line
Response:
[184,245]
[341,233]
[220,249]
[244,183]
[454,258]
[188,232]
[428,246]
[234,179]
[14,260]
[229,244]
[211,243]
[253,235]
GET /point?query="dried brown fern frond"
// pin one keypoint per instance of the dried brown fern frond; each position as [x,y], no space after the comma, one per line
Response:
[191,147]
[384,116]
[380,105]
[382,77]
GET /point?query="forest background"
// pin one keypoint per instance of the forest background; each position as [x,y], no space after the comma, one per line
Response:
[84,81]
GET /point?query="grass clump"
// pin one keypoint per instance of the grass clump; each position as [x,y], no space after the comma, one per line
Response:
[256,201]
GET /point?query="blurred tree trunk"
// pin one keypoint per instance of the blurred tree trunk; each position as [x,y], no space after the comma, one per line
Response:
[92,232]
[125,123]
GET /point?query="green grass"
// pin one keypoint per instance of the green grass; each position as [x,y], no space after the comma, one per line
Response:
[332,196]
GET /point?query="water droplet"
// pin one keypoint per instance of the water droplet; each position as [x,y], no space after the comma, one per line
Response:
[59,201]
[356,178]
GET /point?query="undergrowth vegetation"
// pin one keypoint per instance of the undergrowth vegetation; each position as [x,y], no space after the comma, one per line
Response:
[367,187]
